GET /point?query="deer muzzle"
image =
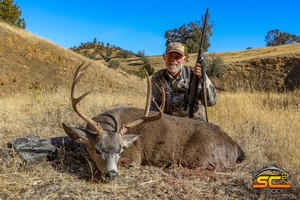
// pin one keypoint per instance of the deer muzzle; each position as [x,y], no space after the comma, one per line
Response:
[111,175]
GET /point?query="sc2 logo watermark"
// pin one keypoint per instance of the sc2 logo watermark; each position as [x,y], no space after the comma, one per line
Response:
[272,180]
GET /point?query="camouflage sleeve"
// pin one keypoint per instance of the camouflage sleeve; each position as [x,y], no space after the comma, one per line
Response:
[211,93]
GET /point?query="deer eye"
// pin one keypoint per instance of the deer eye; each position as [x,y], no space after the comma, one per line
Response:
[100,149]
[120,150]
[104,151]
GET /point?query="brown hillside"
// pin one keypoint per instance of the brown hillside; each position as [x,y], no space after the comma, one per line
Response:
[263,69]
[268,69]
[29,62]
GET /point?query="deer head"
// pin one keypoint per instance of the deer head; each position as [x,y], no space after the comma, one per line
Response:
[105,147]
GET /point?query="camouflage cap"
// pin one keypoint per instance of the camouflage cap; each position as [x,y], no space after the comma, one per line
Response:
[175,47]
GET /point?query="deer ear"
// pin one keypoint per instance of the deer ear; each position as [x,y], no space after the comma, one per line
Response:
[129,139]
[76,134]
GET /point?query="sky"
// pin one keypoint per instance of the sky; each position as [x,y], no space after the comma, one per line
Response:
[140,25]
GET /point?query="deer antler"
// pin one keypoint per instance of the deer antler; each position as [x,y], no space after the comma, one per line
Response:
[78,75]
[163,95]
[146,118]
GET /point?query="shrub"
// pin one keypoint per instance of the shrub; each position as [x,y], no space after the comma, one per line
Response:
[149,69]
[144,59]
[141,53]
[124,54]
[107,58]
[114,64]
[214,64]
[140,73]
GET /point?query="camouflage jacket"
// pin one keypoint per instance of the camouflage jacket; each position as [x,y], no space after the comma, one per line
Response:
[177,92]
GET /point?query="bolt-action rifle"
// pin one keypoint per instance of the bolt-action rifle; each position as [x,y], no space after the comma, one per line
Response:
[195,80]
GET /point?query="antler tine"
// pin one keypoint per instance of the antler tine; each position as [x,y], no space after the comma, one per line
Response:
[78,75]
[149,94]
[145,118]
[163,95]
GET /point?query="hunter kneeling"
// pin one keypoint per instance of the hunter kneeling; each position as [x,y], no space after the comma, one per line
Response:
[175,79]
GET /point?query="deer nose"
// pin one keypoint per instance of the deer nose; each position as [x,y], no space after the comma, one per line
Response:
[111,175]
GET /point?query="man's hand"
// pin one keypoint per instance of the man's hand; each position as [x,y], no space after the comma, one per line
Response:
[198,71]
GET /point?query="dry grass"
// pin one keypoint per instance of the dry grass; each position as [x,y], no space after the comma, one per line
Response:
[265,125]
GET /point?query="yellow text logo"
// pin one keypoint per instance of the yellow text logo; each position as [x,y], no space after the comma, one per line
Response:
[271,179]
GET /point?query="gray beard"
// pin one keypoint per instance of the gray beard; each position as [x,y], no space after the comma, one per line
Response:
[176,69]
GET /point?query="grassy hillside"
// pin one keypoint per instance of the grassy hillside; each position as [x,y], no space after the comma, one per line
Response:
[274,69]
[30,63]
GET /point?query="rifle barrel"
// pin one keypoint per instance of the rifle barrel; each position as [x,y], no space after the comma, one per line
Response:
[195,80]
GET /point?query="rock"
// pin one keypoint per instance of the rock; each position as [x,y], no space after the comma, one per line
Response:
[34,149]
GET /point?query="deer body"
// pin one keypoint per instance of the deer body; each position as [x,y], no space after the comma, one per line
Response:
[173,140]
[160,140]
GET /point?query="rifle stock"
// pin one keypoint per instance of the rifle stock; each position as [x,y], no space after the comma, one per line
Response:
[195,80]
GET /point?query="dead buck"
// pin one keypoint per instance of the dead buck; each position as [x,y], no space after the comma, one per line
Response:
[166,140]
